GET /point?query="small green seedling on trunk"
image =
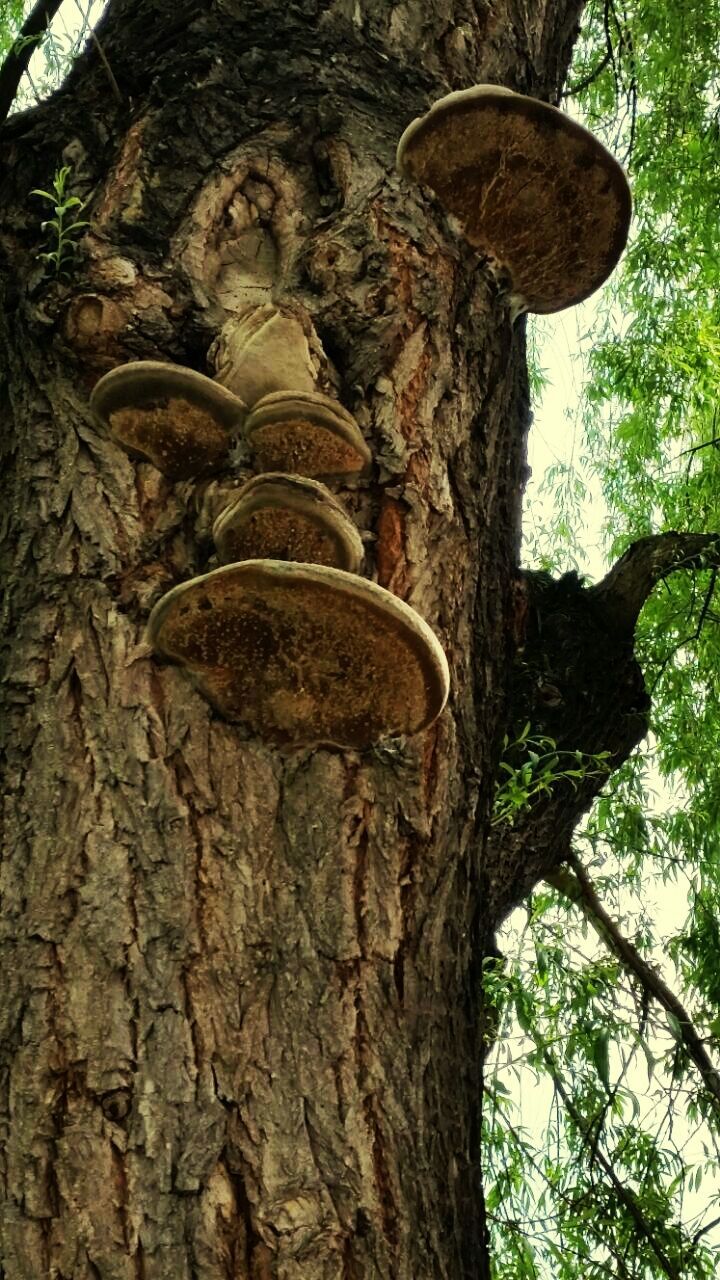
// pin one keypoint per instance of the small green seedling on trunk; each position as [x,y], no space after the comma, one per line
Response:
[62,234]
[535,766]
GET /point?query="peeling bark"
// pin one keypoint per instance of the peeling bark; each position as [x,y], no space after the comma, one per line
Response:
[239,1016]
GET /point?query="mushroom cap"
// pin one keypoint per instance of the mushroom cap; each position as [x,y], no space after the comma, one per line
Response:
[307,434]
[282,517]
[303,653]
[534,191]
[176,418]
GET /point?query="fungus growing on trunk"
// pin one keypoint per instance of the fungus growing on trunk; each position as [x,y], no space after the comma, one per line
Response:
[304,654]
[263,351]
[307,434]
[282,517]
[175,418]
[534,192]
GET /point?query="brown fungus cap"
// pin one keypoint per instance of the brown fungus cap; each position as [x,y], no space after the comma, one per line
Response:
[178,419]
[534,191]
[304,654]
[281,517]
[307,434]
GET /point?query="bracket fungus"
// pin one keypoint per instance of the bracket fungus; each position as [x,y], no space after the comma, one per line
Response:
[282,517]
[535,193]
[178,419]
[304,654]
[263,351]
[306,433]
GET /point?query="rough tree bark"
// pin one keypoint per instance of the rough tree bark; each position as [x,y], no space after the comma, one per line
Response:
[240,1015]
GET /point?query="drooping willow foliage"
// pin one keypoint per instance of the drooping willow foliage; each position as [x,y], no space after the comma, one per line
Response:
[64,36]
[602,1136]
[11,16]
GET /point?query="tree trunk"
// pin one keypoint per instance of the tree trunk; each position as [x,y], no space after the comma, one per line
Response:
[240,1019]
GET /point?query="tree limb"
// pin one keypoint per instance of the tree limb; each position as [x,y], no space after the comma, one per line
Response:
[16,63]
[623,591]
[578,887]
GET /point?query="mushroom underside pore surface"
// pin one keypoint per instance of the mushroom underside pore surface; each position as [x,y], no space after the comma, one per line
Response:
[535,193]
[309,436]
[304,654]
[179,420]
[281,517]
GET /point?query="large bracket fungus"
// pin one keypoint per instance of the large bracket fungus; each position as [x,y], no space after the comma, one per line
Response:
[282,517]
[308,434]
[534,192]
[179,420]
[304,654]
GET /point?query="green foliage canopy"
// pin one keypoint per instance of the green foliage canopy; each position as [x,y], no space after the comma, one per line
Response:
[614,1167]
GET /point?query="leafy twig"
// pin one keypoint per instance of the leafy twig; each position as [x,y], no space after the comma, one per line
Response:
[542,765]
[63,234]
[623,1193]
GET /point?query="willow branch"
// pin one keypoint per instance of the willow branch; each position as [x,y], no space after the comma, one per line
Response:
[578,887]
[624,1193]
[623,591]
[17,61]
[574,89]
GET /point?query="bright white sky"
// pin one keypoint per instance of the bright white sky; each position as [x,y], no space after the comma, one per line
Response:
[556,432]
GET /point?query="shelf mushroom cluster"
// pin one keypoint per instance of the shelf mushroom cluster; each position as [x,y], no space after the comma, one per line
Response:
[538,195]
[286,635]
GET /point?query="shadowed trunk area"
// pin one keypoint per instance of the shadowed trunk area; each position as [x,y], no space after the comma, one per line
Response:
[239,1026]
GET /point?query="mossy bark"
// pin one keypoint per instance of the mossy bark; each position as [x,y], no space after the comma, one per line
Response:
[239,1029]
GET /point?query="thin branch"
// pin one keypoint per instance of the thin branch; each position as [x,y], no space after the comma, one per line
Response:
[16,63]
[706,603]
[578,887]
[633,123]
[626,42]
[703,1231]
[623,591]
[108,69]
[706,444]
[35,91]
[623,1193]
[609,46]
[585,83]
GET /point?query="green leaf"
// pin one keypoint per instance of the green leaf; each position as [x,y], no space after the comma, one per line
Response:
[601,1055]
[649,1059]
[675,1025]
